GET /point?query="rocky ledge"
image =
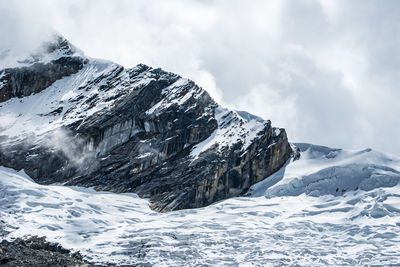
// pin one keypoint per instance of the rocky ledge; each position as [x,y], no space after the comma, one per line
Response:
[35,251]
[141,130]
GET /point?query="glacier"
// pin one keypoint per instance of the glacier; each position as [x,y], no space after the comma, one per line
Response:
[329,207]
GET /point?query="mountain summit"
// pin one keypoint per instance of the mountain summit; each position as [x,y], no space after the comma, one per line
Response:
[66,119]
[78,121]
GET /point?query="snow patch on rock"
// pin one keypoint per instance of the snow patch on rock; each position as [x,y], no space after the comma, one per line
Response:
[232,128]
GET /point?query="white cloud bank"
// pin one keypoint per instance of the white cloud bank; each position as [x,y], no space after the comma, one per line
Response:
[327,71]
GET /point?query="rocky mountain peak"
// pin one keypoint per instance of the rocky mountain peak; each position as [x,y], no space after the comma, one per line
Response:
[51,50]
[53,60]
[95,123]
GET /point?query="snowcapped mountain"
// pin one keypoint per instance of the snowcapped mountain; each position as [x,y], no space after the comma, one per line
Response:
[91,152]
[276,224]
[79,121]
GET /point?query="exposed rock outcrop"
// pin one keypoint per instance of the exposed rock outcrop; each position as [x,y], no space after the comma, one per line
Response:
[39,73]
[139,130]
[35,251]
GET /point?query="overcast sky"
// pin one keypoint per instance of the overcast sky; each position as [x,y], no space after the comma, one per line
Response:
[327,71]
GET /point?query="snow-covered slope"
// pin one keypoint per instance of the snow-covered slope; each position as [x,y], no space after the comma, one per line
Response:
[81,121]
[281,223]
[322,170]
[89,122]
[56,106]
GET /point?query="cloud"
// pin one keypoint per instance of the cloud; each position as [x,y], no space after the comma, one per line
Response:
[327,71]
[73,147]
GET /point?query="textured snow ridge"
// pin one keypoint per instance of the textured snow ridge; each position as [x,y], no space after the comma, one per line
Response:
[176,94]
[56,106]
[67,100]
[322,170]
[288,227]
[232,128]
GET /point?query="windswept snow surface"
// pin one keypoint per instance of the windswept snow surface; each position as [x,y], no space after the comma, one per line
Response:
[31,114]
[323,170]
[281,222]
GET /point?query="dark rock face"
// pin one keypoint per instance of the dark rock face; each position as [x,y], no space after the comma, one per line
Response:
[20,82]
[147,131]
[173,180]
[35,251]
[38,75]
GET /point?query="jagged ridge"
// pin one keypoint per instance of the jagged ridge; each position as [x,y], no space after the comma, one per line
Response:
[144,130]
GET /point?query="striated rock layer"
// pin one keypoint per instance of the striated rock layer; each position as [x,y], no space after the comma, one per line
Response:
[94,123]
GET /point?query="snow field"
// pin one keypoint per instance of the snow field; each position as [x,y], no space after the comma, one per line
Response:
[273,226]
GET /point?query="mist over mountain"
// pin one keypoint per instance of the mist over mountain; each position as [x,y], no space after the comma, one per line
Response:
[327,66]
[139,130]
